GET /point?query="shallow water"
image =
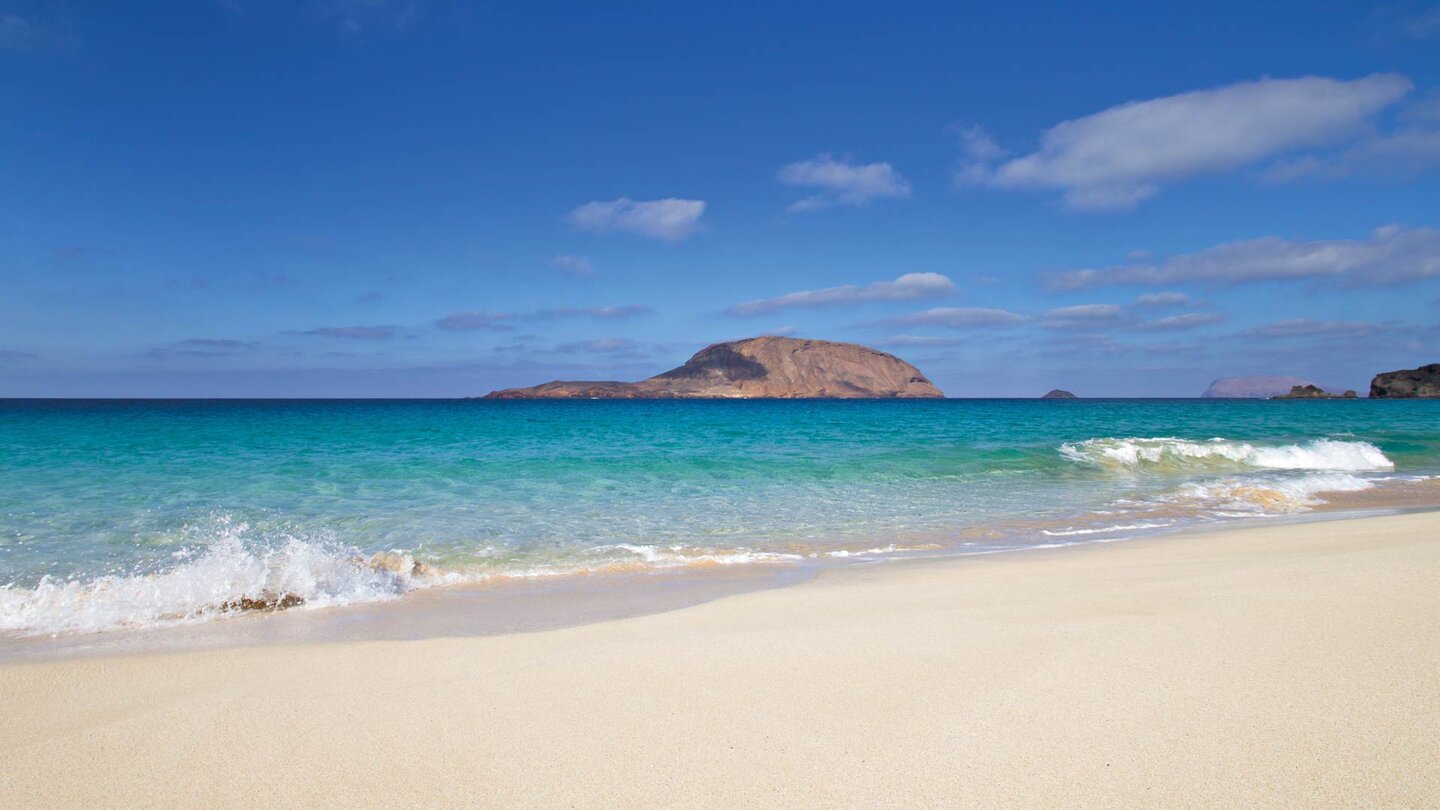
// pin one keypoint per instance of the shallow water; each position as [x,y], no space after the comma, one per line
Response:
[135,514]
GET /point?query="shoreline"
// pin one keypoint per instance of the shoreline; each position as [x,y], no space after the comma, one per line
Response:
[518,605]
[1276,665]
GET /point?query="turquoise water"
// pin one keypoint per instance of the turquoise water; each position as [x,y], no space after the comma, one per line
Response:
[116,514]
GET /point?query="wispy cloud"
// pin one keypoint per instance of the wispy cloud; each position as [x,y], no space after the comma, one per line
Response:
[1393,22]
[1121,156]
[917,341]
[353,332]
[478,320]
[578,266]
[1083,316]
[354,17]
[1391,255]
[35,31]
[610,346]
[1401,153]
[603,313]
[958,318]
[12,356]
[1310,327]
[909,287]
[1176,323]
[1163,299]
[670,219]
[842,182]
[219,344]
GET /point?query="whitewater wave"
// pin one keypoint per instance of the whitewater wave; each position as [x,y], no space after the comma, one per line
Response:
[1269,495]
[242,570]
[1182,455]
[228,577]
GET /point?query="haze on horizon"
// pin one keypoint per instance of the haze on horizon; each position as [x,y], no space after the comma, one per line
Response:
[359,198]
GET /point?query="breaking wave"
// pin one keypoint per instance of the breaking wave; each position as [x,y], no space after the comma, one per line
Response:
[1269,495]
[1185,455]
[229,576]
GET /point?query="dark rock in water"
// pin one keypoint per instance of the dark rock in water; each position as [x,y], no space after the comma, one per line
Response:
[1252,387]
[1414,383]
[761,367]
[1059,393]
[1349,394]
[1307,392]
[266,602]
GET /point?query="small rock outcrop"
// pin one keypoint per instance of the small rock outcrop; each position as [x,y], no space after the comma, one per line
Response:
[759,368]
[1314,392]
[1412,383]
[1252,387]
[1059,393]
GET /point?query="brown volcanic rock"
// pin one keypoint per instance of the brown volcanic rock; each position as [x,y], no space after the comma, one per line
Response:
[762,367]
[1410,383]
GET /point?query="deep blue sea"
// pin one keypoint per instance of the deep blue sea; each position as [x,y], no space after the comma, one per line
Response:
[119,514]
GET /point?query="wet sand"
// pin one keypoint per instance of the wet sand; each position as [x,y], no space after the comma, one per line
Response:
[1288,665]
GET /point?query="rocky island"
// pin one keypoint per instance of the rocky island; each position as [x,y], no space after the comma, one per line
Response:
[759,368]
[1059,393]
[1314,392]
[1258,387]
[1412,383]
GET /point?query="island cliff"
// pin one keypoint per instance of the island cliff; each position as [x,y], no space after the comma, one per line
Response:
[761,367]
[1410,383]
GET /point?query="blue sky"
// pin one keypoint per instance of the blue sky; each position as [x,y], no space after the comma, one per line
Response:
[428,198]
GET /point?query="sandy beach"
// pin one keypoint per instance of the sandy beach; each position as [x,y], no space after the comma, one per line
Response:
[1282,666]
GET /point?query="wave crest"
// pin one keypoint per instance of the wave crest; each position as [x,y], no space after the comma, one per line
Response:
[1178,455]
[228,576]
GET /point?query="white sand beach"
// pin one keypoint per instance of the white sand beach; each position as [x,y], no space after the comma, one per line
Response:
[1282,666]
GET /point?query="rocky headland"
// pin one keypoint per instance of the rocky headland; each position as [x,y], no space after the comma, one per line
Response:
[1059,393]
[1412,383]
[759,368]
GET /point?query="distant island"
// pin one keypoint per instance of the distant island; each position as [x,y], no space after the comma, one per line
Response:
[1256,387]
[1059,393]
[1314,392]
[759,368]
[1413,383]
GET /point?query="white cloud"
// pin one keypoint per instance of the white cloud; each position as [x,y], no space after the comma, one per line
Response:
[1310,327]
[624,346]
[959,318]
[476,320]
[353,332]
[1403,153]
[842,182]
[915,341]
[604,313]
[1175,323]
[578,266]
[908,287]
[480,319]
[1122,155]
[1163,299]
[1391,255]
[1083,316]
[670,219]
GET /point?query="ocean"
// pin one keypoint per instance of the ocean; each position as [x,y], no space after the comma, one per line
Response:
[118,515]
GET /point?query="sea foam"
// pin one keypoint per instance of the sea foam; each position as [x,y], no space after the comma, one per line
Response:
[228,575]
[1180,455]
